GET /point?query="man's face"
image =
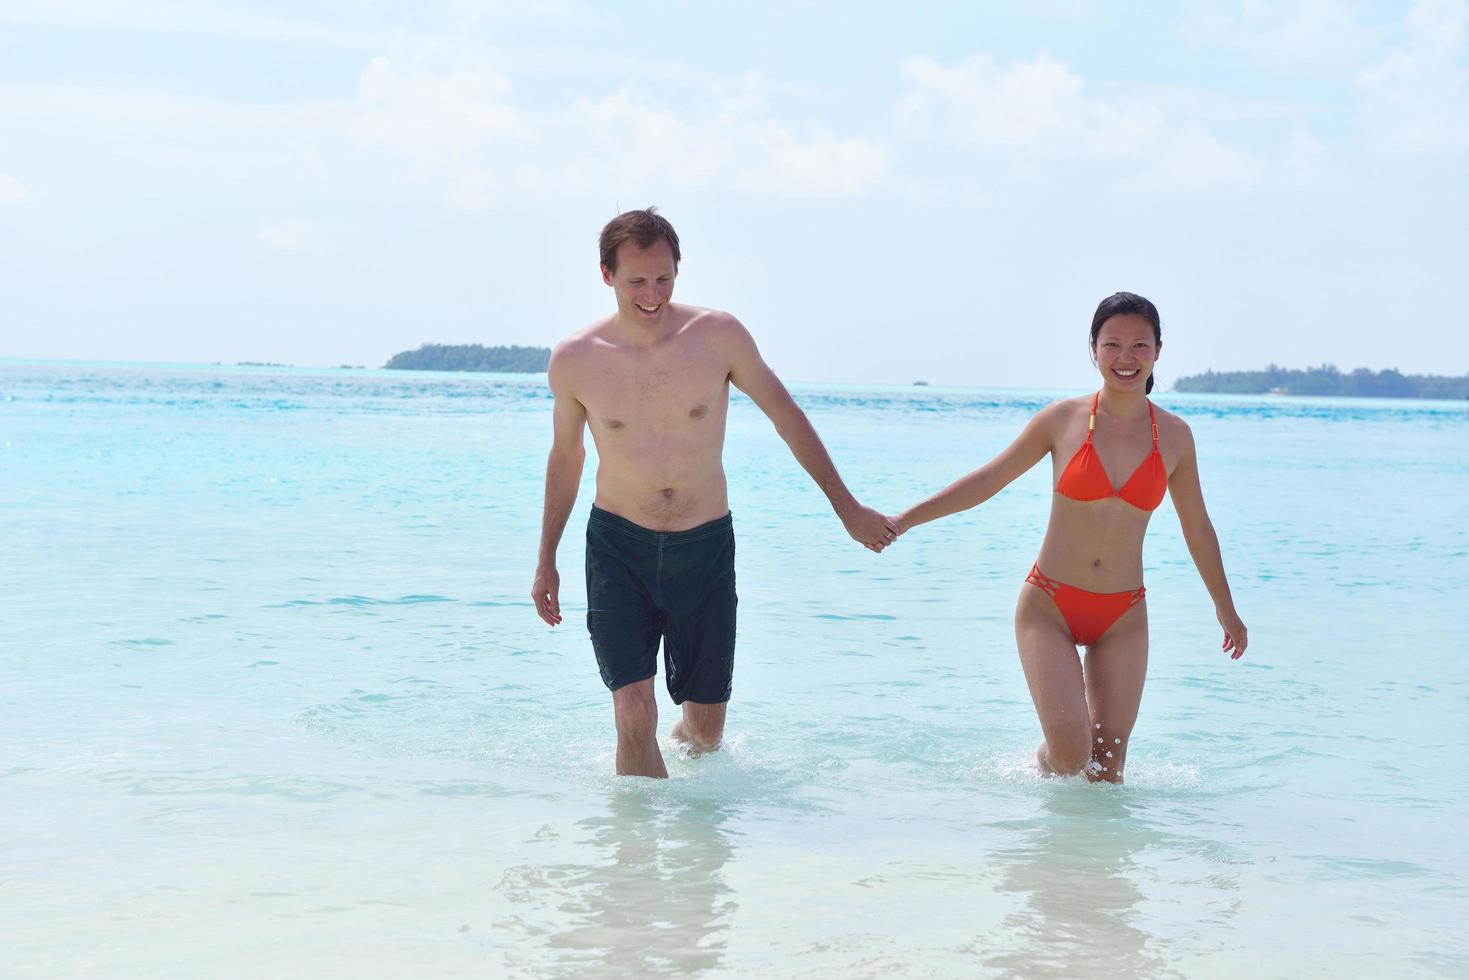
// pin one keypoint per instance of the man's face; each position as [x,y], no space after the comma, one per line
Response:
[643,281]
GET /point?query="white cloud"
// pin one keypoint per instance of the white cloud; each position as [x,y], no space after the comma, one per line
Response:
[1029,109]
[1064,10]
[979,102]
[445,126]
[1213,106]
[735,144]
[1036,112]
[1285,32]
[182,17]
[291,236]
[465,129]
[622,137]
[436,25]
[440,114]
[463,134]
[1417,98]
[1193,158]
[462,15]
[822,166]
[1304,160]
[145,132]
[12,191]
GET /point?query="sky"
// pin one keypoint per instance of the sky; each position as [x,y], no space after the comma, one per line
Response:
[880,192]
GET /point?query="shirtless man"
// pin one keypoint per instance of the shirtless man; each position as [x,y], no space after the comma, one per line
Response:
[652,381]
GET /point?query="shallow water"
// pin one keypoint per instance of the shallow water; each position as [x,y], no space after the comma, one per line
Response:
[274,701]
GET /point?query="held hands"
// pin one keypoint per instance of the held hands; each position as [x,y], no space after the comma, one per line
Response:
[895,527]
[872,529]
[545,592]
[1236,637]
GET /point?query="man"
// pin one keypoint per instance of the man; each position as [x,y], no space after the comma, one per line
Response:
[652,381]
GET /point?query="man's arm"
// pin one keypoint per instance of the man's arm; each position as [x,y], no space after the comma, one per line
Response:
[750,374]
[563,478]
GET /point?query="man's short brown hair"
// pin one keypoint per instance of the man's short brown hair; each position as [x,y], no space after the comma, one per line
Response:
[644,227]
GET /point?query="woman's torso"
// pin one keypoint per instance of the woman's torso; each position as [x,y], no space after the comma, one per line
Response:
[1097,544]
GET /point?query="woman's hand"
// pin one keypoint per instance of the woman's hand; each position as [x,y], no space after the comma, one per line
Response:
[1236,637]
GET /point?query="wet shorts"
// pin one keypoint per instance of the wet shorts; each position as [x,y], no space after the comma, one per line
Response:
[677,586]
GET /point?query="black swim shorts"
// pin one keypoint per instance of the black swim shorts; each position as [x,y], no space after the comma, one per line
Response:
[677,586]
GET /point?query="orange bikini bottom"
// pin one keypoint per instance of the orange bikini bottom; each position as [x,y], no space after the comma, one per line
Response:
[1087,614]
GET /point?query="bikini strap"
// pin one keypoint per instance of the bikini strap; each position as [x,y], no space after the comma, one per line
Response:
[1153,417]
[1092,424]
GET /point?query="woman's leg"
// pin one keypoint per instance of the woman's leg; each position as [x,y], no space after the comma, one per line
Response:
[1116,666]
[1053,673]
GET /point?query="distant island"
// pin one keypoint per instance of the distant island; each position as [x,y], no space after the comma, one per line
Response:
[1326,380]
[472,357]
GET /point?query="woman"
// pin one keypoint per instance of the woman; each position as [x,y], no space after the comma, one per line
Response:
[1085,588]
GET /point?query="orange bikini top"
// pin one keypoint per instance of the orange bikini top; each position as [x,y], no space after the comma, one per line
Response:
[1085,479]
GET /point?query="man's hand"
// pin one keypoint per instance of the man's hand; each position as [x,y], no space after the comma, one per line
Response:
[866,525]
[546,594]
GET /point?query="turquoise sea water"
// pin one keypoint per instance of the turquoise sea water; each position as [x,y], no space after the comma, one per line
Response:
[274,701]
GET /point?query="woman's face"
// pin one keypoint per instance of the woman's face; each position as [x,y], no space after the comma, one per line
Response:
[1126,351]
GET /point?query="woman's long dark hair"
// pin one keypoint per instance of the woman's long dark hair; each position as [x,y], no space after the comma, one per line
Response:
[1119,304]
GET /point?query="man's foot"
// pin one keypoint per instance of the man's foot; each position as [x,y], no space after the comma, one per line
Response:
[691,743]
[701,728]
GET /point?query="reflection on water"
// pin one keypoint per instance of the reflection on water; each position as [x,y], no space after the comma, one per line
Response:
[650,899]
[1078,870]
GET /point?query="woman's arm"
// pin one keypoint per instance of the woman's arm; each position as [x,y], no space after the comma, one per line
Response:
[1203,543]
[1029,448]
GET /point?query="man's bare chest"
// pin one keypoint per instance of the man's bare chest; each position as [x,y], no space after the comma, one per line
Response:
[655,392]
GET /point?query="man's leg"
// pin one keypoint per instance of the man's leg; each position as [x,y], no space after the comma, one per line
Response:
[625,629]
[702,727]
[699,633]
[636,709]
